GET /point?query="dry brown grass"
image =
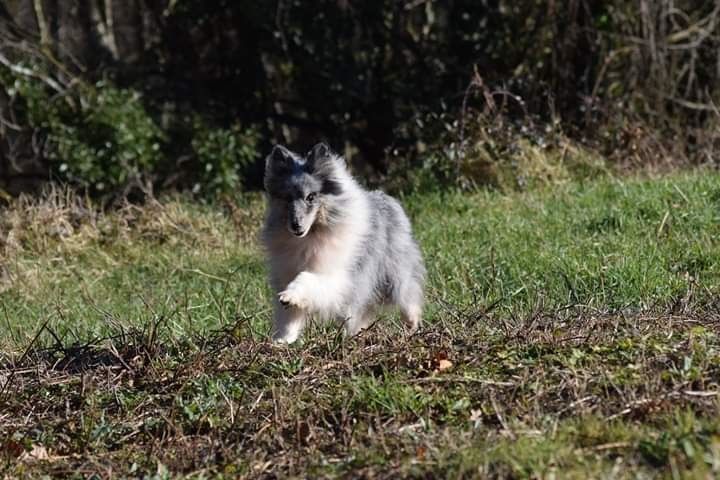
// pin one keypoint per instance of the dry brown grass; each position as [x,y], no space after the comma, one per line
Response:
[454,398]
[38,235]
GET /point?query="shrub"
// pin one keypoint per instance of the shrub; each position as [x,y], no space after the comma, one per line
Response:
[221,154]
[102,138]
[96,136]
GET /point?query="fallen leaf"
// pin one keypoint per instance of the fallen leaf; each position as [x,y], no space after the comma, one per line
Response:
[12,449]
[444,365]
[38,452]
[440,361]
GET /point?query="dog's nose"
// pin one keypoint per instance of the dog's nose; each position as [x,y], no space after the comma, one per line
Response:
[295,226]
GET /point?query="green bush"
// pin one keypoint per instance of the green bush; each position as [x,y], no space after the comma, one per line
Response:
[112,142]
[97,136]
[102,138]
[222,153]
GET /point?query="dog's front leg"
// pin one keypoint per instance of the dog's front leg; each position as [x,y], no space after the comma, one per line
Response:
[314,292]
[288,323]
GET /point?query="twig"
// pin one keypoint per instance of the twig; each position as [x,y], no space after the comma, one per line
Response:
[30,73]
[24,355]
[499,415]
[663,223]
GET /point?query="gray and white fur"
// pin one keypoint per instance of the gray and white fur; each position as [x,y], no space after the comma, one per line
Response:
[335,250]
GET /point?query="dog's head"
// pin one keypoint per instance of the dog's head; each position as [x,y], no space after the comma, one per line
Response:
[301,189]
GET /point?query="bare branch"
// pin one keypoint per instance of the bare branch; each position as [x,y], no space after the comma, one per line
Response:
[24,71]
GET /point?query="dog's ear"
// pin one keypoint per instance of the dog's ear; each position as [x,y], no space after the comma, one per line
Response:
[321,150]
[322,158]
[279,159]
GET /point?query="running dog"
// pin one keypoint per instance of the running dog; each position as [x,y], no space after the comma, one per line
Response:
[335,250]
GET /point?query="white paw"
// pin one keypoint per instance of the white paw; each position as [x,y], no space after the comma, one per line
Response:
[286,340]
[294,296]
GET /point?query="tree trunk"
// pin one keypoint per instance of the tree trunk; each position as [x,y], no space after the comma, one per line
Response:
[127,27]
[77,44]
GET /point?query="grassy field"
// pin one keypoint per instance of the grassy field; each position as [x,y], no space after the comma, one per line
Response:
[570,332]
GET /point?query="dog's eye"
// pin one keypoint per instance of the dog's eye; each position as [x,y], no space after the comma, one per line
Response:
[310,197]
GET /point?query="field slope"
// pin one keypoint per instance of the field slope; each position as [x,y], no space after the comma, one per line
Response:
[570,332]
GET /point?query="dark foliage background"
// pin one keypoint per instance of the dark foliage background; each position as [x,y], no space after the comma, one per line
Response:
[119,96]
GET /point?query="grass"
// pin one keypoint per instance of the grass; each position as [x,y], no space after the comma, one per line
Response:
[571,331]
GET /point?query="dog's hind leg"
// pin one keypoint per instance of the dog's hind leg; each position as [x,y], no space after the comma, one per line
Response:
[288,323]
[410,301]
[411,316]
[358,321]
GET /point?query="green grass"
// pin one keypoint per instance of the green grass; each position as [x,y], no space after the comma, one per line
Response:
[579,322]
[608,244]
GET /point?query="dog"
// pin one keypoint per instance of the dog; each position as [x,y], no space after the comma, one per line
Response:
[335,250]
